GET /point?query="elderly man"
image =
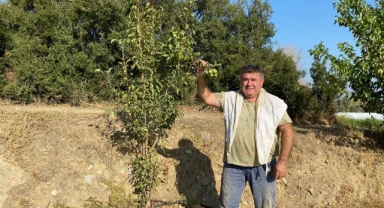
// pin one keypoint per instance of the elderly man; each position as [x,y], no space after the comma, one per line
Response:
[254,121]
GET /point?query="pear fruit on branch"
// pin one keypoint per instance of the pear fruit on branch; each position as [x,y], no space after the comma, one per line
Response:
[209,69]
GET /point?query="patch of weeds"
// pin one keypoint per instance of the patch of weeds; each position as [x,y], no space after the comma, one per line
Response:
[362,124]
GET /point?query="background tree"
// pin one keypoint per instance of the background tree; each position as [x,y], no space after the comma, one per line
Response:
[346,104]
[233,35]
[58,45]
[295,53]
[61,51]
[362,67]
[283,80]
[5,44]
[326,88]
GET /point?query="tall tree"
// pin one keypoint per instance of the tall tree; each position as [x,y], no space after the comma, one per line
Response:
[5,44]
[282,79]
[326,88]
[362,66]
[58,45]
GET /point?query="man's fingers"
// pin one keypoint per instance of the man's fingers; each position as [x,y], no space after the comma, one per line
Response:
[202,62]
[277,173]
[280,174]
[280,170]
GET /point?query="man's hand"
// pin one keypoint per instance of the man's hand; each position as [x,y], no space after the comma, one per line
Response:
[281,169]
[200,67]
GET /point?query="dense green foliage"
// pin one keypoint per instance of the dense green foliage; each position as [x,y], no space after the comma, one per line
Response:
[327,88]
[55,48]
[346,104]
[61,51]
[362,67]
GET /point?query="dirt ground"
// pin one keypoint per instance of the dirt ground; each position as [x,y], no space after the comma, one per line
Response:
[61,154]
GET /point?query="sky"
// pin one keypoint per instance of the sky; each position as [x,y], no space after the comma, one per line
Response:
[304,24]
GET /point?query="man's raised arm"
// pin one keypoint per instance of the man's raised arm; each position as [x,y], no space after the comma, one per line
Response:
[205,94]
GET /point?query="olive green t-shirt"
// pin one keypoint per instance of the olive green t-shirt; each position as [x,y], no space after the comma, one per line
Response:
[243,150]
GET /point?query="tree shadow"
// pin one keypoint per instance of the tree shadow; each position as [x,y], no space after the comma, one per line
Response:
[195,178]
[120,138]
[344,136]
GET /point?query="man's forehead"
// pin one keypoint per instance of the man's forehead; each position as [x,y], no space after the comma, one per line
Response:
[250,75]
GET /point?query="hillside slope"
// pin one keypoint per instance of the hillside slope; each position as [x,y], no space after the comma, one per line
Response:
[51,155]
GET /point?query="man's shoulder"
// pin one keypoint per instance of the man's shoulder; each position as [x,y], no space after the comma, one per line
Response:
[226,94]
[229,92]
[273,100]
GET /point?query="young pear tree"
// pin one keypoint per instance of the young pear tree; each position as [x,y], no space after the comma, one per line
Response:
[361,66]
[154,68]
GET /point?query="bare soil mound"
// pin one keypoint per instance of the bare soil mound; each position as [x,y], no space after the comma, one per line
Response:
[56,155]
[51,155]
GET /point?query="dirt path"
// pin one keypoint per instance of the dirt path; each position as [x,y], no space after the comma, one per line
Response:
[61,154]
[62,108]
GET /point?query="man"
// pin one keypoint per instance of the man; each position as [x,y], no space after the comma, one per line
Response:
[254,120]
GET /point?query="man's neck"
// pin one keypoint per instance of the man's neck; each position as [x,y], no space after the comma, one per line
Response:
[252,100]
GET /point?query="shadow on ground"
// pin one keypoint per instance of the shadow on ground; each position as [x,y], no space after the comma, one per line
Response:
[194,175]
[195,178]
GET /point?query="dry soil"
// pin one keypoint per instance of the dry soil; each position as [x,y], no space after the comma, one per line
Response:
[62,154]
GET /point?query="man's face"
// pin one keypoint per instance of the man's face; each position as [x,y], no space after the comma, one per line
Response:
[251,84]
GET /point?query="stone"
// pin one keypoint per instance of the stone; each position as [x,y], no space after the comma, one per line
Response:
[311,191]
[245,202]
[90,167]
[284,180]
[54,193]
[10,177]
[89,179]
[205,136]
[127,158]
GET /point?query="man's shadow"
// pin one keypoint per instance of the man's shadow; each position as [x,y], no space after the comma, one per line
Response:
[195,178]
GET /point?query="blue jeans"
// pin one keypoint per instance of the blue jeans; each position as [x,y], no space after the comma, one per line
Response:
[235,178]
